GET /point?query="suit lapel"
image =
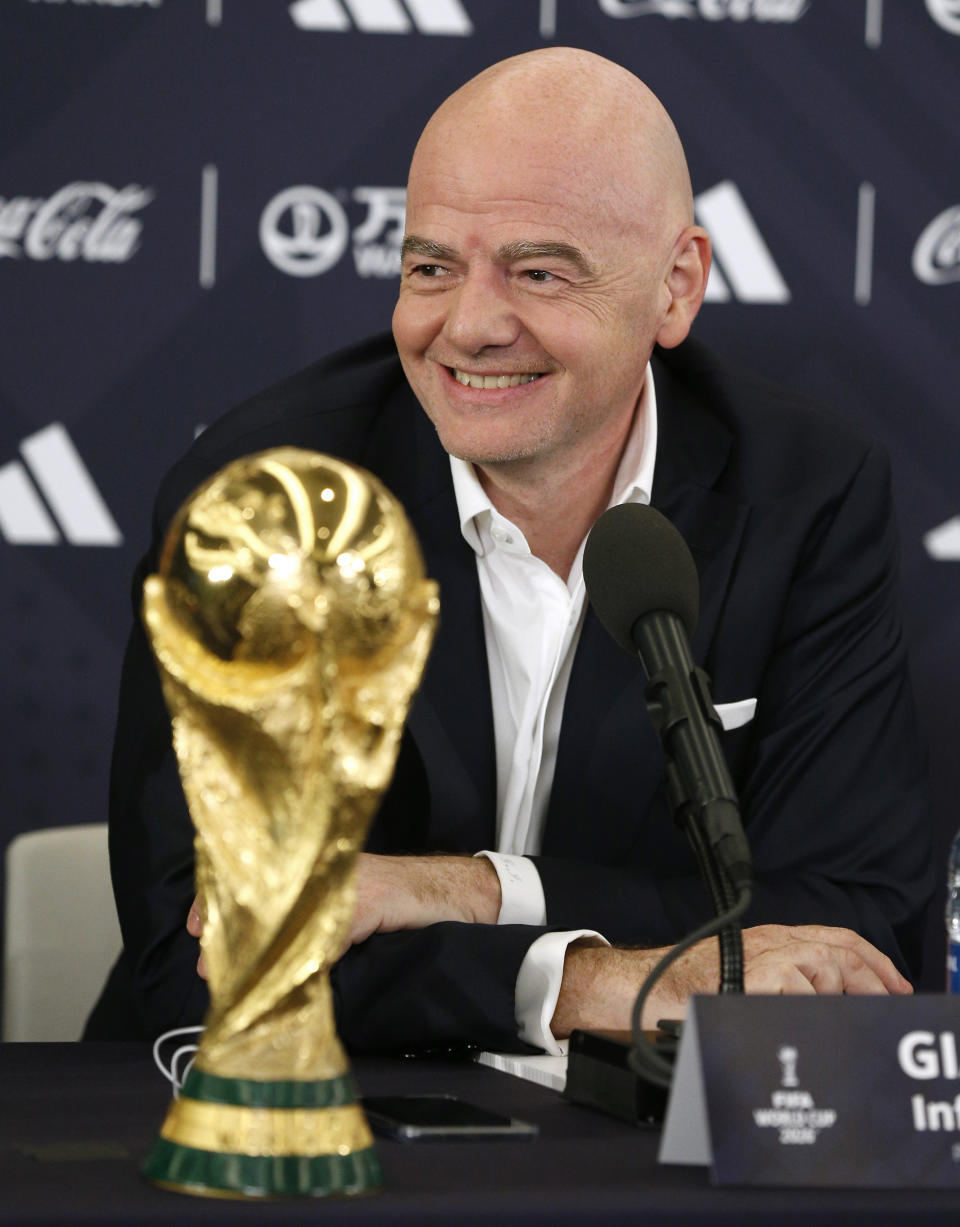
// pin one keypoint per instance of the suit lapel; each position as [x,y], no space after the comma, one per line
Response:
[693,450]
[605,722]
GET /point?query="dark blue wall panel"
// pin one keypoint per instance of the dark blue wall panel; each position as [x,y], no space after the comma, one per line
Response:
[146,144]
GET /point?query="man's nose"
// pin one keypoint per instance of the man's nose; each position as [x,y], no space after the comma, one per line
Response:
[480,314]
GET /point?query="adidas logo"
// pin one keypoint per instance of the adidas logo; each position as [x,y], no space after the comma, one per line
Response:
[382,16]
[71,507]
[946,13]
[743,267]
[943,542]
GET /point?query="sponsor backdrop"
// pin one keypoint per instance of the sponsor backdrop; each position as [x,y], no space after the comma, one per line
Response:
[200,196]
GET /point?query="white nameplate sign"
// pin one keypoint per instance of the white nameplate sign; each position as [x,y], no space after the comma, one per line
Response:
[819,1091]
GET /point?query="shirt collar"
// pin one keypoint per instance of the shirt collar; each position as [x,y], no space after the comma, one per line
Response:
[632,484]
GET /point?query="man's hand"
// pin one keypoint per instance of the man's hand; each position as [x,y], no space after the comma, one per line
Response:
[407,892]
[600,984]
[411,892]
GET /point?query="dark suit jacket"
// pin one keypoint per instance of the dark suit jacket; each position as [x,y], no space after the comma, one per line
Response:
[787,513]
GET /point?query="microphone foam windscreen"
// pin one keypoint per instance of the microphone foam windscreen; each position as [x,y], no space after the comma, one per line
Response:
[634,563]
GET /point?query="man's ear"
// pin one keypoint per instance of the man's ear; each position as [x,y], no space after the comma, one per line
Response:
[685,285]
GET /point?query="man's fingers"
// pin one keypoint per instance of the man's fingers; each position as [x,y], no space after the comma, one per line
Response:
[840,970]
[806,966]
[774,975]
[858,954]
[194,919]
[195,929]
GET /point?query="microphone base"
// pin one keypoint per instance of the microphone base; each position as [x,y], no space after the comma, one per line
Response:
[599,1076]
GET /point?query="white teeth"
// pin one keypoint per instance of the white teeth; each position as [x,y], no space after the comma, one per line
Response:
[492,381]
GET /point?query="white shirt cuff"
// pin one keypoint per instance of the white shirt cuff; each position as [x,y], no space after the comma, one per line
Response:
[538,987]
[521,892]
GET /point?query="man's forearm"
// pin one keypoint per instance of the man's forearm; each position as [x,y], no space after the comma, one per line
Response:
[411,892]
[601,983]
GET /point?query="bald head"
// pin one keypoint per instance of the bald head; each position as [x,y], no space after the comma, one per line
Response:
[549,246]
[582,115]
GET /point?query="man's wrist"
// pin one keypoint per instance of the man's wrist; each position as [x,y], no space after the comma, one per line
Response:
[600,985]
[462,888]
[539,982]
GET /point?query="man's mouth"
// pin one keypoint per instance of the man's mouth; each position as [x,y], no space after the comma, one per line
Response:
[492,381]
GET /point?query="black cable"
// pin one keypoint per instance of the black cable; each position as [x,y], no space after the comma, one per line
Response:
[644,1059]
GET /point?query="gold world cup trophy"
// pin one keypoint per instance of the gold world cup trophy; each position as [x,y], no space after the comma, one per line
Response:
[291,621]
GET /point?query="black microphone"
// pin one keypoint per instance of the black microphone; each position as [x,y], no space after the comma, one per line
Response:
[642,583]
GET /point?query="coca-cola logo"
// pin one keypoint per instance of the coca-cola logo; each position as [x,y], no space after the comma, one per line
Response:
[83,221]
[936,257]
[709,10]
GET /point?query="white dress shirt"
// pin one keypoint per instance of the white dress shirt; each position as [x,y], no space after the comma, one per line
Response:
[532,621]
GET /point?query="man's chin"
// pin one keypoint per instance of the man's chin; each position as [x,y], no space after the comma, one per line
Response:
[487,457]
[478,446]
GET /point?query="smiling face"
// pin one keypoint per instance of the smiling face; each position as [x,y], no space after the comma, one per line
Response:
[536,268]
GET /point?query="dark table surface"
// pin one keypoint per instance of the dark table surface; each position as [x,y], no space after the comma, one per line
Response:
[77,1119]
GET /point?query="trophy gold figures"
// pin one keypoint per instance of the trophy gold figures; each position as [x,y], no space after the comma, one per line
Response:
[291,620]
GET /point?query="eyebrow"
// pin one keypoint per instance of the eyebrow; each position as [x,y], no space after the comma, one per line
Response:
[525,249]
[519,249]
[414,245]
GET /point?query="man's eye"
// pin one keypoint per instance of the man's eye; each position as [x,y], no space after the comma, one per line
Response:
[538,274]
[427,270]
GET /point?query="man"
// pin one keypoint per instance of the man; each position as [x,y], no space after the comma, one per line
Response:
[551,272]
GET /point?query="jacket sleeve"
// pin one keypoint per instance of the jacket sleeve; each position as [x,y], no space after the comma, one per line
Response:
[446,986]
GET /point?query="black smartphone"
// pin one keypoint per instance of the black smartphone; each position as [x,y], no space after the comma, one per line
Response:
[409,1118]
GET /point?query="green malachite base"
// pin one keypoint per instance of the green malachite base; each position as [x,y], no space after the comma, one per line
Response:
[216,1173]
[219,1175]
[251,1093]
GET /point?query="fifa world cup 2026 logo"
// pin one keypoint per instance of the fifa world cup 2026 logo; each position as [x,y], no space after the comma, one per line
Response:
[291,620]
